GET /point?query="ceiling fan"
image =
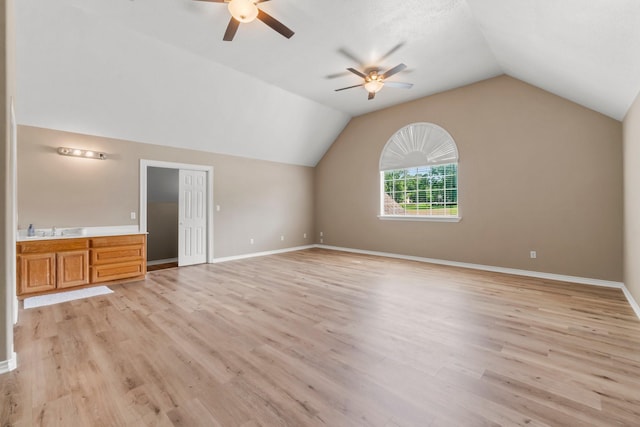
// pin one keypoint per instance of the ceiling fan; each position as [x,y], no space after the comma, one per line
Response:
[246,11]
[374,81]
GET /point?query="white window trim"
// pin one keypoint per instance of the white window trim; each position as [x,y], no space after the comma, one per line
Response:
[403,148]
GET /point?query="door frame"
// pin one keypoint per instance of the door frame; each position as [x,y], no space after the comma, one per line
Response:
[144,164]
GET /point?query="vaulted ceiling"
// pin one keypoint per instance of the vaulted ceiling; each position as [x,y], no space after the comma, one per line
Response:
[158,71]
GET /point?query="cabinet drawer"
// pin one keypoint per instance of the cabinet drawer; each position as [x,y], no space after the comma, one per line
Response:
[111,241]
[47,246]
[123,270]
[117,254]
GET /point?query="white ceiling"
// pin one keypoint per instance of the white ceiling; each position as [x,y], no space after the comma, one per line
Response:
[157,71]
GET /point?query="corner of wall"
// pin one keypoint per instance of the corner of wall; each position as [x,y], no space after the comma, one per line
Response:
[631,209]
[9,365]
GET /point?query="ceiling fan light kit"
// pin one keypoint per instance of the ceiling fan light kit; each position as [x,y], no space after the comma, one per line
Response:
[373,82]
[243,10]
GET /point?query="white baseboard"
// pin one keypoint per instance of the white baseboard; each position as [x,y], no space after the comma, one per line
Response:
[257,254]
[9,365]
[162,261]
[514,271]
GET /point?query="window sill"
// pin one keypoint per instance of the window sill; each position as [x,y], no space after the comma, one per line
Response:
[420,218]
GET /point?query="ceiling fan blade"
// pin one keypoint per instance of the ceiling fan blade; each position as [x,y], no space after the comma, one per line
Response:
[214,1]
[231,30]
[393,49]
[336,75]
[400,85]
[349,87]
[357,73]
[260,1]
[351,56]
[371,95]
[275,24]
[393,71]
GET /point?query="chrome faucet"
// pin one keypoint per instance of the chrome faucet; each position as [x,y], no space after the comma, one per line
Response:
[53,231]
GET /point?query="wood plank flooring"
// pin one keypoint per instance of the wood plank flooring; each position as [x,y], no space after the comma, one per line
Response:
[155,267]
[323,338]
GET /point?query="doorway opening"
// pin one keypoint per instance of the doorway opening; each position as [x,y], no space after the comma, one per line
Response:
[176,210]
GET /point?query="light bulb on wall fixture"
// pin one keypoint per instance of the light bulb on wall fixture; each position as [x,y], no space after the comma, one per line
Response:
[77,152]
[243,10]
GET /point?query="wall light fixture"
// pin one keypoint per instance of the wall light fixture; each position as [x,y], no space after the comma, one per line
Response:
[77,152]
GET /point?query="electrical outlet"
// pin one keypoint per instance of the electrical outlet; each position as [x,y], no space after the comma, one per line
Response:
[217,208]
[533,254]
[321,234]
[281,237]
[321,241]
[133,215]
[251,241]
[304,236]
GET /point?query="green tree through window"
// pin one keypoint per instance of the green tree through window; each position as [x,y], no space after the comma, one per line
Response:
[428,190]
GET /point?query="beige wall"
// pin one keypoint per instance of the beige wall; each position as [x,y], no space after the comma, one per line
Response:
[537,172]
[258,199]
[631,128]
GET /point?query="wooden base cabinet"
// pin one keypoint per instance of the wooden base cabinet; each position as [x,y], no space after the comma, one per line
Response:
[48,265]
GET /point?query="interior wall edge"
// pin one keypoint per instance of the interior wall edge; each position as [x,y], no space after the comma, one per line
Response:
[9,365]
[632,301]
[631,208]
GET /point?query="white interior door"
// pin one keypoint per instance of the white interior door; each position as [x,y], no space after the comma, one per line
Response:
[192,227]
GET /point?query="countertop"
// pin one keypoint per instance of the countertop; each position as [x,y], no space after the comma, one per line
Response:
[77,232]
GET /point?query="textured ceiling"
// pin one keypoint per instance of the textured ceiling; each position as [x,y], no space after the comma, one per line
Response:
[587,51]
[157,71]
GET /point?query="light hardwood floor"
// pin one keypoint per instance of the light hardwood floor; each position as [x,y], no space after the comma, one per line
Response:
[323,338]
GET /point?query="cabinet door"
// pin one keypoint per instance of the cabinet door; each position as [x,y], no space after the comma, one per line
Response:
[37,272]
[73,268]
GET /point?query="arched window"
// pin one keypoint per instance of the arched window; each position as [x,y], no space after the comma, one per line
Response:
[419,174]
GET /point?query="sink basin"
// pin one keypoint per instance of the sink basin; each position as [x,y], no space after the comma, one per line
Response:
[73,232]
